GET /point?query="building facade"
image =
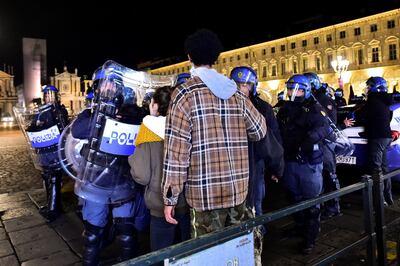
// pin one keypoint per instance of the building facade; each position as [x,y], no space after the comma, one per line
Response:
[8,93]
[72,92]
[370,44]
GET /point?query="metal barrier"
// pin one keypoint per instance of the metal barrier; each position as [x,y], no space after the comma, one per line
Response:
[379,214]
[374,241]
[206,241]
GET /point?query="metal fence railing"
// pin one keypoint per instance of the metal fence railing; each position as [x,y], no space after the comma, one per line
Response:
[380,225]
[374,236]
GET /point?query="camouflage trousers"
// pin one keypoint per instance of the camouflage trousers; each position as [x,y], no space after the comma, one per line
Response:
[204,222]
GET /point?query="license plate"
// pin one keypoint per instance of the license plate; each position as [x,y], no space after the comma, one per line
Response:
[346,159]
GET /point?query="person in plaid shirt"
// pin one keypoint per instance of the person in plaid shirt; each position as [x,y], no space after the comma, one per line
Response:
[206,148]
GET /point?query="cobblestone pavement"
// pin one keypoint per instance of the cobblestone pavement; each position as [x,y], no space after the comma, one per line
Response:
[17,172]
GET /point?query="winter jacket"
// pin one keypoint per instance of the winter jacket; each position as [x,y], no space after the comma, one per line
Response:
[147,164]
[375,115]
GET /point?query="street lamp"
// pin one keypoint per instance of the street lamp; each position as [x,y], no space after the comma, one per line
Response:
[340,66]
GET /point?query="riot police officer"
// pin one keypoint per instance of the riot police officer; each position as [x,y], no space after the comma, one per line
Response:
[331,182]
[339,99]
[51,118]
[89,99]
[246,79]
[281,99]
[104,181]
[303,127]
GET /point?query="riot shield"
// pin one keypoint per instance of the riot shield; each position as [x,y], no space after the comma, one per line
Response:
[69,152]
[42,129]
[110,130]
[338,141]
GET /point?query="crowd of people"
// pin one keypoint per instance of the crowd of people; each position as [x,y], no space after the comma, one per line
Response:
[202,151]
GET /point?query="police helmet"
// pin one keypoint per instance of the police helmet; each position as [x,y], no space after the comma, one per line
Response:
[147,96]
[299,82]
[376,84]
[244,74]
[98,74]
[339,93]
[50,93]
[324,86]
[181,78]
[89,96]
[328,90]
[314,80]
[129,95]
[49,88]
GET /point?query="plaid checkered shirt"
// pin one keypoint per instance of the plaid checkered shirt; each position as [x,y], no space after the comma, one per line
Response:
[206,147]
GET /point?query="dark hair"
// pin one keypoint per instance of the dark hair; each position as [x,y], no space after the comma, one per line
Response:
[162,97]
[203,47]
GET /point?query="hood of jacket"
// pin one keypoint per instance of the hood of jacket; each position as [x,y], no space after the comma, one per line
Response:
[152,129]
[221,86]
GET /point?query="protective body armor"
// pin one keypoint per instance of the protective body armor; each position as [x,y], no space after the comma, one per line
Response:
[110,128]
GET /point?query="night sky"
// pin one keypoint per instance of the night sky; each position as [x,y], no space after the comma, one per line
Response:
[85,34]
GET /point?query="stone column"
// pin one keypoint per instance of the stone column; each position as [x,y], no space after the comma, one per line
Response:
[13,89]
[2,88]
[8,107]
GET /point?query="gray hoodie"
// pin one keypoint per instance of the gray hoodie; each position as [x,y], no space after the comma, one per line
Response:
[215,81]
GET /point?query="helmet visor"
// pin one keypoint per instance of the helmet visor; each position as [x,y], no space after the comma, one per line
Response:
[292,92]
[245,77]
[49,97]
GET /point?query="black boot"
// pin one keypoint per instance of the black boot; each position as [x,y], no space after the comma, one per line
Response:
[54,202]
[312,228]
[125,237]
[127,246]
[53,209]
[92,237]
[46,176]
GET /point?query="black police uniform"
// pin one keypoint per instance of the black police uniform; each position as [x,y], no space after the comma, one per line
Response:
[50,115]
[303,127]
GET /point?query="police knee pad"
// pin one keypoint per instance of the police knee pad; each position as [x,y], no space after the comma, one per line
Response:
[92,235]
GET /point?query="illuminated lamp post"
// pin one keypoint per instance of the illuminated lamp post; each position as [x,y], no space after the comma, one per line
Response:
[340,66]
